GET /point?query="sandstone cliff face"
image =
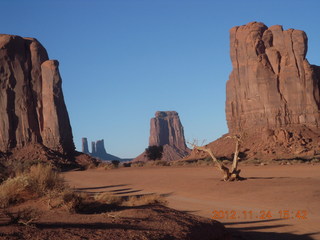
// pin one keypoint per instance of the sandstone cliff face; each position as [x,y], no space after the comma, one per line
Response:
[166,130]
[273,96]
[271,84]
[32,108]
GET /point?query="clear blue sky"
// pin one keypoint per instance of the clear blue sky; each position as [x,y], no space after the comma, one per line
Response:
[123,60]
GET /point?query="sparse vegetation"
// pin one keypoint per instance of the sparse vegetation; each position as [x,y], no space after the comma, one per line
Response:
[157,163]
[148,199]
[24,216]
[38,181]
[108,198]
[137,164]
[145,200]
[154,152]
[232,174]
[13,190]
[72,201]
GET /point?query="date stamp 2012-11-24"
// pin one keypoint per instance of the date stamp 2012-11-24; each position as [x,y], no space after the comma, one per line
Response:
[259,215]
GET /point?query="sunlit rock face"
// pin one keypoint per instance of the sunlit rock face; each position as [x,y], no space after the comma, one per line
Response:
[272,94]
[272,84]
[32,108]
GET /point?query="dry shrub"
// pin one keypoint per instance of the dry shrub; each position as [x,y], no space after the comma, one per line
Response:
[40,180]
[44,179]
[13,189]
[108,166]
[157,163]
[73,201]
[137,164]
[91,166]
[108,198]
[179,163]
[24,216]
[145,200]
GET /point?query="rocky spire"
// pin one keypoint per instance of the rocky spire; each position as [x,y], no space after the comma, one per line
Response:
[85,148]
[32,108]
[93,148]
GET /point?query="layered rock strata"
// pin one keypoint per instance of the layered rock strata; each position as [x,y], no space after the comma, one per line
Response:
[273,98]
[166,130]
[32,108]
[272,83]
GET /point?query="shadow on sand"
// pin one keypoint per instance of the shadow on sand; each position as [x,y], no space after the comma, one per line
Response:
[257,232]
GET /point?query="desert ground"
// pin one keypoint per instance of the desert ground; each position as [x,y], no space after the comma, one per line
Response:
[275,202]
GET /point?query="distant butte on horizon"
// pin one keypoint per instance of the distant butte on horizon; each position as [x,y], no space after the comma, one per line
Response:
[166,130]
[98,150]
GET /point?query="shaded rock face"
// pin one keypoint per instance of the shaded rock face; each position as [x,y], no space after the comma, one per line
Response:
[85,148]
[97,150]
[166,130]
[32,108]
[100,150]
[272,84]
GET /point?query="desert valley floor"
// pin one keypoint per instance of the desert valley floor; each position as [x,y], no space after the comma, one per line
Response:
[254,206]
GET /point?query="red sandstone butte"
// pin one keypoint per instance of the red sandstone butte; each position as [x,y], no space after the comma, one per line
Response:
[272,94]
[32,108]
[166,130]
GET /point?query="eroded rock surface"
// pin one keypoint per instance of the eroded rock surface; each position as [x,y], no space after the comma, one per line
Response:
[273,98]
[32,108]
[166,130]
[272,84]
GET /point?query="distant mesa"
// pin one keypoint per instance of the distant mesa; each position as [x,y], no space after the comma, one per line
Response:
[273,96]
[166,130]
[33,113]
[98,150]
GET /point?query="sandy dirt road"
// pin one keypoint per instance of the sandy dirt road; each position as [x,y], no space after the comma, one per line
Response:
[275,202]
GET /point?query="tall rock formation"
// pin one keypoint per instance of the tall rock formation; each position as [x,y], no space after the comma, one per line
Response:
[166,130]
[32,108]
[93,148]
[85,147]
[273,98]
[98,150]
[272,84]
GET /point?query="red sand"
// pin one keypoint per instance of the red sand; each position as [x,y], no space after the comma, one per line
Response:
[199,191]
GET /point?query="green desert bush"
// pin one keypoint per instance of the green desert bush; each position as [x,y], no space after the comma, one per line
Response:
[154,152]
